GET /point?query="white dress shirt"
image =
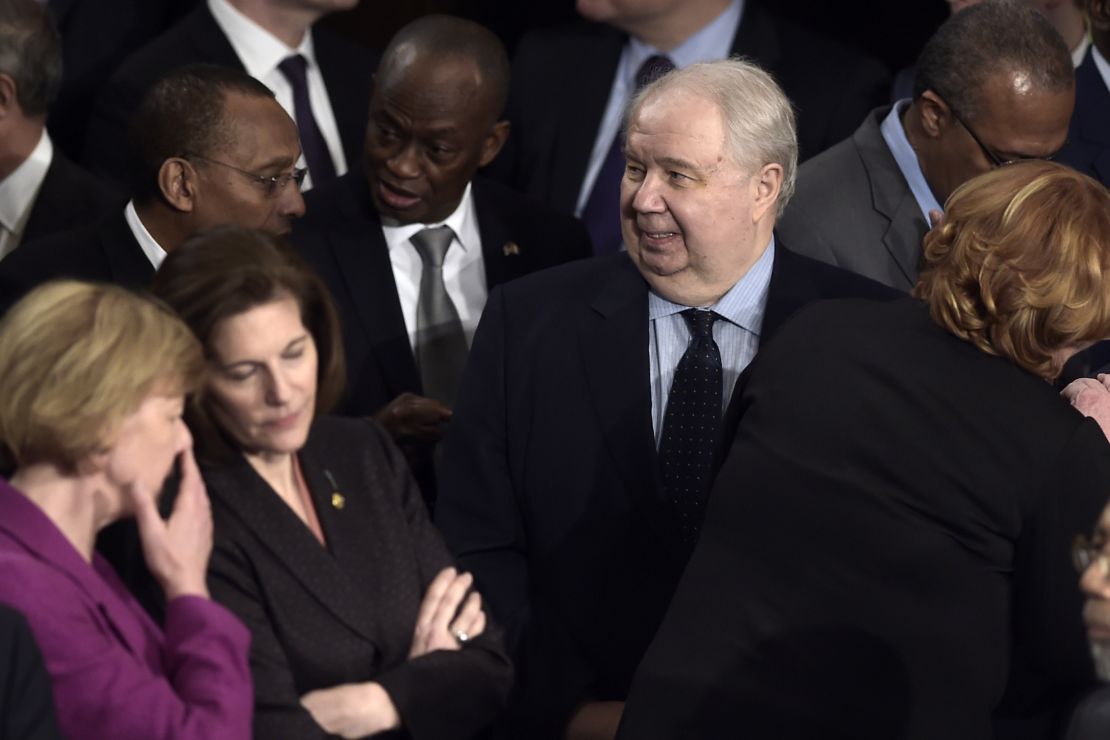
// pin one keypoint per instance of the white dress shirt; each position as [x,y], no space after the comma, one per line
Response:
[18,192]
[261,52]
[152,249]
[464,269]
[712,42]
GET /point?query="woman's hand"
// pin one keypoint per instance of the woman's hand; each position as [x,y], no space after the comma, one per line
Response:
[352,710]
[176,550]
[437,626]
[1091,398]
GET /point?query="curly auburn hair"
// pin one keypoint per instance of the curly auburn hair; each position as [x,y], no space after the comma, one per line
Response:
[1020,264]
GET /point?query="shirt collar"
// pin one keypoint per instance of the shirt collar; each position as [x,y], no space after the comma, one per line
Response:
[744,304]
[19,189]
[712,42]
[461,222]
[258,49]
[151,248]
[894,134]
[1102,65]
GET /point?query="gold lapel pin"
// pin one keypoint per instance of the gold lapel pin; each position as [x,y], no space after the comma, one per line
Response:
[511,249]
[337,499]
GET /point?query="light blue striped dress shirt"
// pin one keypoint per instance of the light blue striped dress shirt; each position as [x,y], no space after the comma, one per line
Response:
[736,334]
[894,134]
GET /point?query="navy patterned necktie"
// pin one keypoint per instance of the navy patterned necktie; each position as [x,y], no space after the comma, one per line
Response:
[316,154]
[440,342]
[602,213]
[691,426]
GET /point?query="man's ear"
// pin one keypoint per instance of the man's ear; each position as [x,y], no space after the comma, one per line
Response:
[934,115]
[493,142]
[767,186]
[9,104]
[177,179]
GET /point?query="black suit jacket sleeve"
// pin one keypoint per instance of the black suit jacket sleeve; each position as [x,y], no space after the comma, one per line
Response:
[26,698]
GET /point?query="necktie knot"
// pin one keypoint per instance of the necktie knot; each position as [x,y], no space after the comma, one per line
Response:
[432,245]
[294,68]
[652,69]
[700,322]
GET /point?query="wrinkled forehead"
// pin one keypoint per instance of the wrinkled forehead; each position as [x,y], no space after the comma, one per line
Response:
[678,118]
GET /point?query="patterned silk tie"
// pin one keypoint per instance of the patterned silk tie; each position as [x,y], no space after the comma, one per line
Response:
[315,149]
[440,342]
[691,426]
[602,212]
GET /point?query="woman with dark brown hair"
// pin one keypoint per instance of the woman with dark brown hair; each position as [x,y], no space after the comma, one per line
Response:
[886,549]
[322,544]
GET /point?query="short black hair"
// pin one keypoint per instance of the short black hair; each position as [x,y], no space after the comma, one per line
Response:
[447,36]
[31,52]
[988,38]
[184,112]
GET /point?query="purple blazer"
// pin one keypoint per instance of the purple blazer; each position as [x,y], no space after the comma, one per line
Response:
[115,673]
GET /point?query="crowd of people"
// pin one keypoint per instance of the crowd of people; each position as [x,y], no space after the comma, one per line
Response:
[687,376]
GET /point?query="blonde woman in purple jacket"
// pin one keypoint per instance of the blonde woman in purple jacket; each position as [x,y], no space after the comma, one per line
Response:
[92,382]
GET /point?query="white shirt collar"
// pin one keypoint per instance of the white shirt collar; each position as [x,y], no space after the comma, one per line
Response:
[1102,65]
[152,249]
[463,221]
[894,134]
[19,189]
[258,49]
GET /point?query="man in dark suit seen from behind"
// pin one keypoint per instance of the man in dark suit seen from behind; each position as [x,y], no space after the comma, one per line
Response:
[210,146]
[571,84]
[411,245]
[575,469]
[321,80]
[994,84]
[41,191]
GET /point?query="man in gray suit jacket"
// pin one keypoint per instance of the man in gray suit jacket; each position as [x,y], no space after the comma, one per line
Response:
[994,84]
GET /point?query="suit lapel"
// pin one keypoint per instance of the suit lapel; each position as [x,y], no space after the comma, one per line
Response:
[350,108]
[614,344]
[891,198]
[358,246]
[500,254]
[127,263]
[250,499]
[1092,111]
[26,523]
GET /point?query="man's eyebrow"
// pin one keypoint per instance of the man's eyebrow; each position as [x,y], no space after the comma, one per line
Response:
[678,163]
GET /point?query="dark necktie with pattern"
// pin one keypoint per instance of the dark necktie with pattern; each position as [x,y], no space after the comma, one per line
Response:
[602,212]
[316,154]
[691,426]
[440,342]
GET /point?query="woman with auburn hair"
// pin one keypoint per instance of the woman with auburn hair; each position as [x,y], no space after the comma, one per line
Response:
[92,386]
[359,622]
[886,549]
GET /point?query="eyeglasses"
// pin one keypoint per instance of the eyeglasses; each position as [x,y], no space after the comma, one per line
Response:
[273,185]
[995,160]
[1086,551]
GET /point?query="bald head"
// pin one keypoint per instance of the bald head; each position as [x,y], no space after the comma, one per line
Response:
[476,54]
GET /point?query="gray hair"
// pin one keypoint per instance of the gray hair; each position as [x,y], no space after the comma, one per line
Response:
[31,52]
[758,117]
[988,38]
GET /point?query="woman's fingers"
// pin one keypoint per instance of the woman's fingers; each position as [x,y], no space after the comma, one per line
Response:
[449,604]
[471,620]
